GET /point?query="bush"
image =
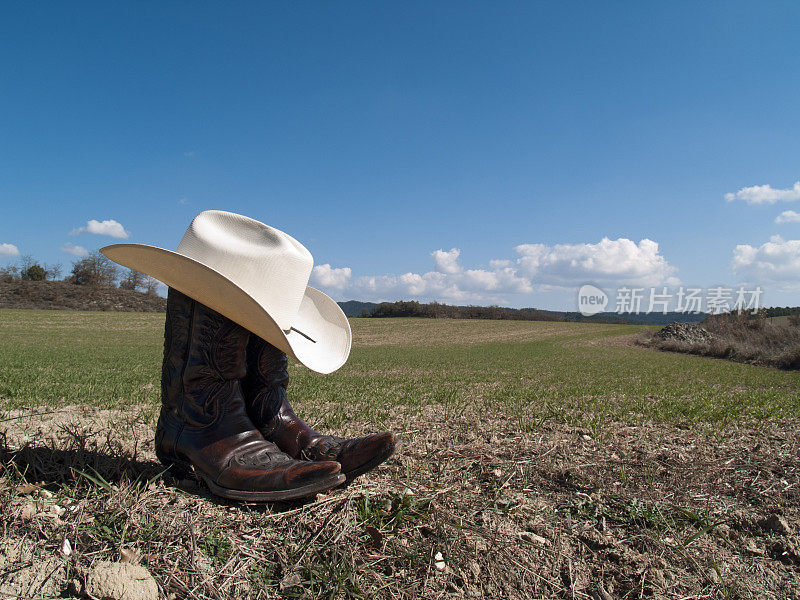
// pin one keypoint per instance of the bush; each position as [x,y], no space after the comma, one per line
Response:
[95,269]
[132,281]
[34,273]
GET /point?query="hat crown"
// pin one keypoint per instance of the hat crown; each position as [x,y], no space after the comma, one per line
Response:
[268,264]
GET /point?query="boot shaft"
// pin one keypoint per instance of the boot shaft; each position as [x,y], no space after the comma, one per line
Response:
[204,360]
[266,381]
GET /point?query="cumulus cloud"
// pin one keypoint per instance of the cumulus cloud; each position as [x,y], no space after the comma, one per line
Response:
[9,250]
[776,261]
[449,281]
[327,277]
[447,262]
[788,216]
[78,251]
[620,261]
[537,266]
[108,227]
[765,194]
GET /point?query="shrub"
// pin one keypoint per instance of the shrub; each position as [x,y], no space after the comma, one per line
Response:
[34,273]
[95,269]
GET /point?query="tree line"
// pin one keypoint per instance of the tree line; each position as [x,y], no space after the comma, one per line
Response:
[435,310]
[94,269]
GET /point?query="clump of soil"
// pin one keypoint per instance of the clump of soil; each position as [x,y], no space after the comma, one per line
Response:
[60,295]
[472,507]
[120,581]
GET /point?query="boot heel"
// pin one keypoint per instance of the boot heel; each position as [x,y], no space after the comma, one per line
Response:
[177,468]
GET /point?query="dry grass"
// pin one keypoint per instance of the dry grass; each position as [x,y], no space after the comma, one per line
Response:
[649,511]
[742,338]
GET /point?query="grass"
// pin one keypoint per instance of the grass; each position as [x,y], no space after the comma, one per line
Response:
[539,460]
[533,372]
[564,372]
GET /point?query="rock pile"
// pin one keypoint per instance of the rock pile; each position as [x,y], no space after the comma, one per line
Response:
[689,333]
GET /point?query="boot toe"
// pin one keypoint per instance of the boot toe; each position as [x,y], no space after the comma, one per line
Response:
[363,454]
[303,473]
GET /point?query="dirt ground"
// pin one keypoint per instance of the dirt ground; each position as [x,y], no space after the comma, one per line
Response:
[470,507]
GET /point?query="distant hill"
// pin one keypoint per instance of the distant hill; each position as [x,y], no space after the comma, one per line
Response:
[59,295]
[355,308]
[437,310]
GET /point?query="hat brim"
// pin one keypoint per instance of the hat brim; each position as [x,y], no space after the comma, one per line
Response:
[320,336]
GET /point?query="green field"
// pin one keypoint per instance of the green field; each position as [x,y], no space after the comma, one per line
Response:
[532,371]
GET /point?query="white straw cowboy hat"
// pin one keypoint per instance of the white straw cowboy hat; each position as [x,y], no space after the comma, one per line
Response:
[255,275]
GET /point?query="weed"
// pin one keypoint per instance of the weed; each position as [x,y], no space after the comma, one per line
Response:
[262,574]
[216,546]
[392,511]
[117,530]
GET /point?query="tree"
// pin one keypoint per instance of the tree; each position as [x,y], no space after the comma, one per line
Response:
[28,269]
[52,272]
[132,281]
[151,285]
[9,274]
[139,282]
[95,269]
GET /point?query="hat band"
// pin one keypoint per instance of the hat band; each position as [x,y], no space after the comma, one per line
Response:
[308,337]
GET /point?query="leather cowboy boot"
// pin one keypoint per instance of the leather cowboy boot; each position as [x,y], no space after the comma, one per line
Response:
[204,424]
[265,395]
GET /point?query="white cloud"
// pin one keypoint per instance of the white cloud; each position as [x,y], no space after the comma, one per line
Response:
[9,250]
[765,194]
[447,262]
[620,261]
[449,282]
[78,251]
[788,216]
[327,277]
[776,261]
[108,227]
[183,201]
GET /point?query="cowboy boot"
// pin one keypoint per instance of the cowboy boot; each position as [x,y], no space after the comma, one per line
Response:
[265,395]
[203,423]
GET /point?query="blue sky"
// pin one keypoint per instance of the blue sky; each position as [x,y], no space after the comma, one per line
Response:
[520,134]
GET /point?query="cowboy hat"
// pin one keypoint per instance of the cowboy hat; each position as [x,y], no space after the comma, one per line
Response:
[255,275]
